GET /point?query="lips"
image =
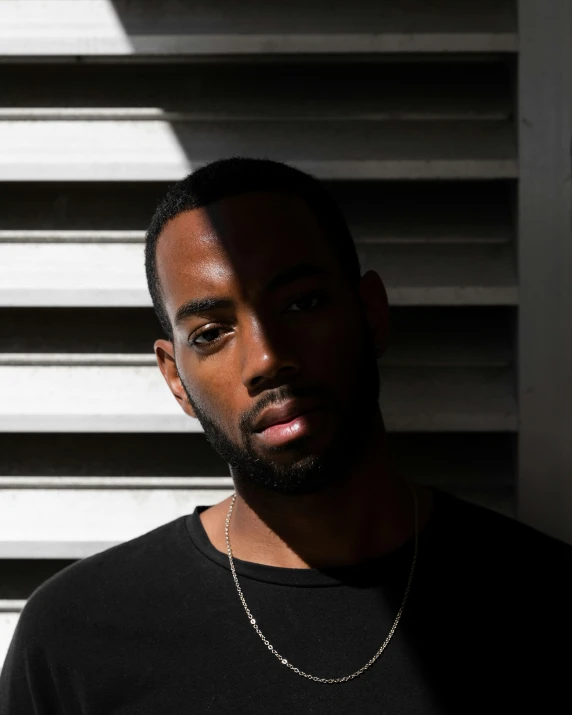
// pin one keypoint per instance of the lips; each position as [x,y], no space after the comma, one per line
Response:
[284,413]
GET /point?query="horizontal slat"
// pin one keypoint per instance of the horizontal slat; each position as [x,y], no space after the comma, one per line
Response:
[249,90]
[77,359]
[404,211]
[462,336]
[67,275]
[89,399]
[53,236]
[11,605]
[448,399]
[336,113]
[478,459]
[466,351]
[422,338]
[82,523]
[444,274]
[460,484]
[482,462]
[52,482]
[375,211]
[136,399]
[421,212]
[56,274]
[451,337]
[157,150]
[9,615]
[332,112]
[76,331]
[109,454]
[102,27]
[367,227]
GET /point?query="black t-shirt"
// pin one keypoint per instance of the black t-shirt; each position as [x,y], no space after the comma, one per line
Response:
[155,627]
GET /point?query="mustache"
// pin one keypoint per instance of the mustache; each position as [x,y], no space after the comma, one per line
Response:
[279,395]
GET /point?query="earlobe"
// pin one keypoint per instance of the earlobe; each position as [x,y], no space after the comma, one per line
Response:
[165,354]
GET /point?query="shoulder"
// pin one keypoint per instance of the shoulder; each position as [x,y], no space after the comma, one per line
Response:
[502,543]
[490,523]
[112,579]
[88,610]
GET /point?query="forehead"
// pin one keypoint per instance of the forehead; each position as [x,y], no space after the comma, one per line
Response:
[239,242]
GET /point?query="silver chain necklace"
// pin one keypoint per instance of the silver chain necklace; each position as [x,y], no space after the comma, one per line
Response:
[269,645]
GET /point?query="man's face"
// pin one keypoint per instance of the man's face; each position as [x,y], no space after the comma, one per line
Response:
[272,346]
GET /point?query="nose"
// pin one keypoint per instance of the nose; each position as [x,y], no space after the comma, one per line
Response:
[267,360]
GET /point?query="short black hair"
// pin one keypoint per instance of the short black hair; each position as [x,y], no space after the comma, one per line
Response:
[240,175]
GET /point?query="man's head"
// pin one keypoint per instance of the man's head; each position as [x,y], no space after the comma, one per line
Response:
[272,330]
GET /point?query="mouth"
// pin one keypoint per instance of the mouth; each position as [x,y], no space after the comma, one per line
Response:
[278,430]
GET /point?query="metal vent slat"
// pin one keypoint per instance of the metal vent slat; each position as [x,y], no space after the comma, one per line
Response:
[86,521]
[112,274]
[109,150]
[457,336]
[133,399]
[101,28]
[377,211]
[248,90]
[9,615]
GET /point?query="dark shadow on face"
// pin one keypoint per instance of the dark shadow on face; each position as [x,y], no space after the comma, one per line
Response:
[308,471]
[269,340]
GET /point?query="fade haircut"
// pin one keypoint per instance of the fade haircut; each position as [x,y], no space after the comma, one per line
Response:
[240,175]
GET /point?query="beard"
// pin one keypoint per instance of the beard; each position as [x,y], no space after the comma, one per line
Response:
[305,472]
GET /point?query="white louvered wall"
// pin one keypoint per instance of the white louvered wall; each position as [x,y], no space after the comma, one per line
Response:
[405,108]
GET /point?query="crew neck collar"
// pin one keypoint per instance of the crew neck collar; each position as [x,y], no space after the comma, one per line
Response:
[367,573]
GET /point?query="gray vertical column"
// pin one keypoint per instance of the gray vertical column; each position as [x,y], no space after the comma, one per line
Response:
[545,266]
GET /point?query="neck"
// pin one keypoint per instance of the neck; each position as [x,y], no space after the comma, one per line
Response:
[367,514]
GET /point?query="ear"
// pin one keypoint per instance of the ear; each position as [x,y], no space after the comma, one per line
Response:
[374,300]
[165,355]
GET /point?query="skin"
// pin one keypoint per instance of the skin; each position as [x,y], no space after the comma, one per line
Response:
[266,343]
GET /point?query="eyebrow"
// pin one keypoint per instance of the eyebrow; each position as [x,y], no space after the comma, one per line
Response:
[302,270]
[202,306]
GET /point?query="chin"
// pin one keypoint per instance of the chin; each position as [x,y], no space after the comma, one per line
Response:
[294,474]
[293,484]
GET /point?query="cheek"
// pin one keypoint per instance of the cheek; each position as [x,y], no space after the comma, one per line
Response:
[333,348]
[213,392]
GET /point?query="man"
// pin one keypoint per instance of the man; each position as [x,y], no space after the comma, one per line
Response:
[328,584]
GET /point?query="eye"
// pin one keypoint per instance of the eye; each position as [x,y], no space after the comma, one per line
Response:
[207,337]
[306,302]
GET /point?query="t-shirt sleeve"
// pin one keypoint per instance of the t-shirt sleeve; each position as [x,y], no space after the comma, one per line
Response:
[26,683]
